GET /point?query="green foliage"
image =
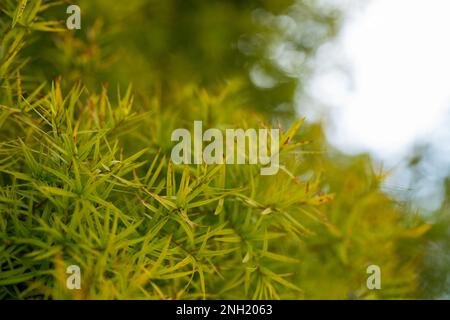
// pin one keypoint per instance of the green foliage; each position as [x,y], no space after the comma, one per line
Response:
[365,227]
[86,176]
[134,222]
[436,276]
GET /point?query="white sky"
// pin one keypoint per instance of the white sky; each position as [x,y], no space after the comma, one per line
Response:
[399,88]
[386,81]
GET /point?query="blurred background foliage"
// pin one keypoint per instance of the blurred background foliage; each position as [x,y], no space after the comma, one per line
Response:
[265,44]
[231,64]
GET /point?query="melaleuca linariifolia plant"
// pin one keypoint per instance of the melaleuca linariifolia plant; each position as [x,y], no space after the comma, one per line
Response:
[137,225]
[74,191]
[86,179]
